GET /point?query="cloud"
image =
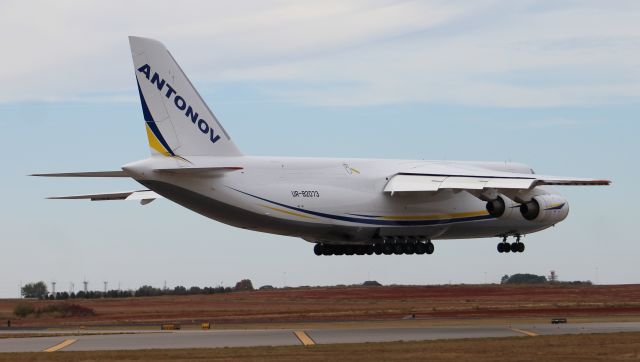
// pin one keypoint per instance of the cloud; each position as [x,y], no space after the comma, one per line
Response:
[336,53]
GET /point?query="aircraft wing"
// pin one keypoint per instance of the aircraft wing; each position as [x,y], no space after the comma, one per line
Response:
[479,180]
[145,196]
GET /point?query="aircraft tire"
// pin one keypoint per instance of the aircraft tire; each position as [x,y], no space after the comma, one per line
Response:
[421,248]
[521,247]
[387,249]
[410,248]
[515,247]
[398,248]
[318,249]
[430,248]
[328,250]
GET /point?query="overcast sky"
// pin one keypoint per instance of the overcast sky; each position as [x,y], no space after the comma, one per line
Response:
[555,84]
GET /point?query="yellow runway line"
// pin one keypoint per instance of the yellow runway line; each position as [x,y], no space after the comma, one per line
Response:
[59,346]
[528,333]
[304,338]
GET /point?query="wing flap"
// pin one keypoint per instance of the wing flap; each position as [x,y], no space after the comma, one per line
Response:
[465,183]
[414,183]
[125,195]
[500,180]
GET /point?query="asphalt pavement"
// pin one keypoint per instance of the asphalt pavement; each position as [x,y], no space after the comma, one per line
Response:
[131,340]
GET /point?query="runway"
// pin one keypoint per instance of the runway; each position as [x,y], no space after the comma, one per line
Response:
[131,340]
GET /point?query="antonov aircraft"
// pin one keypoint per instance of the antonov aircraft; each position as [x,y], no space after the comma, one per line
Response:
[343,206]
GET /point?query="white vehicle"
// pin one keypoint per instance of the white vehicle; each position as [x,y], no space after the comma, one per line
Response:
[344,206]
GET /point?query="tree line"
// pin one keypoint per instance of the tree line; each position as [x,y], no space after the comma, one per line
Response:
[537,279]
[39,290]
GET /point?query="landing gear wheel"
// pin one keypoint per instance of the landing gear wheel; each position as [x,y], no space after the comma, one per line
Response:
[377,249]
[318,249]
[421,248]
[514,247]
[520,247]
[349,250]
[430,248]
[360,250]
[398,249]
[368,249]
[387,249]
[328,250]
[410,248]
[504,247]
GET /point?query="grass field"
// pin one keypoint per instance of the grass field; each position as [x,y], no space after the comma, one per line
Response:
[586,347]
[338,304]
[56,334]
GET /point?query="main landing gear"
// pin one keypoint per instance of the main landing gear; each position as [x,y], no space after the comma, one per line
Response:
[387,247]
[515,247]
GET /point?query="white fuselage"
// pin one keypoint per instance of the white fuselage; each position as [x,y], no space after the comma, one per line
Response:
[345,206]
[331,200]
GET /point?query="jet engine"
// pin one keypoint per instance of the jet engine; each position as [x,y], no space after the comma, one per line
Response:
[502,207]
[545,208]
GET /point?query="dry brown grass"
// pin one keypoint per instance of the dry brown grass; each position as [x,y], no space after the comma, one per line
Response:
[588,347]
[355,304]
[55,334]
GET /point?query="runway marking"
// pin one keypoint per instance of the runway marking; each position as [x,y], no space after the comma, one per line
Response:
[59,346]
[304,338]
[528,333]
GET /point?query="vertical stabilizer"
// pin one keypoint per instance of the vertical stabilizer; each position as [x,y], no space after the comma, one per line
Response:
[178,121]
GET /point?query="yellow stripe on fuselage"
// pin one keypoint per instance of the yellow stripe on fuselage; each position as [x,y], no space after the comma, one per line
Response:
[155,143]
[288,212]
[436,216]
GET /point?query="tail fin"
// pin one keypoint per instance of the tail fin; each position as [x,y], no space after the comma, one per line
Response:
[178,121]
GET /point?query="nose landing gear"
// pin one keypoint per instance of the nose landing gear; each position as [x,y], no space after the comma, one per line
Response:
[515,247]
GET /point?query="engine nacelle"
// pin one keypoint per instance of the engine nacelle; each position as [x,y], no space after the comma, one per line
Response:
[545,208]
[502,207]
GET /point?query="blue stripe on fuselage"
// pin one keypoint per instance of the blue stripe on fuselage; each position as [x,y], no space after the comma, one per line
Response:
[373,222]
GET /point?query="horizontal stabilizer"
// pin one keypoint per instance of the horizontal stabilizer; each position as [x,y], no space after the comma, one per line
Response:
[198,170]
[145,196]
[84,174]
